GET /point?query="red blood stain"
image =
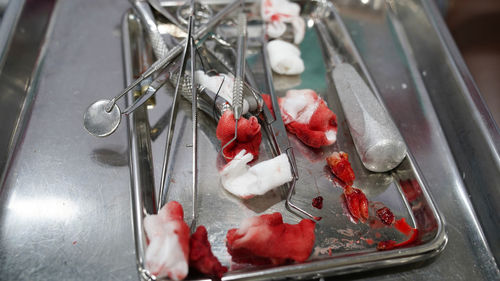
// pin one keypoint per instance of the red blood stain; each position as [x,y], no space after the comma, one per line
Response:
[74,242]
[403,227]
[390,244]
[386,245]
[368,241]
[318,202]
[376,223]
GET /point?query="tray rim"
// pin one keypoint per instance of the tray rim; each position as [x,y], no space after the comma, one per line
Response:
[335,265]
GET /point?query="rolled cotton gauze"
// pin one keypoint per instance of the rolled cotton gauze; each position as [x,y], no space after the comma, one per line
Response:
[284,58]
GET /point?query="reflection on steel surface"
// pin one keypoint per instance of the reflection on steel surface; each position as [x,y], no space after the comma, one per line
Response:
[21,54]
[45,208]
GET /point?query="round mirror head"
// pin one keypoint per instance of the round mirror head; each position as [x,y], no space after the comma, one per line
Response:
[99,122]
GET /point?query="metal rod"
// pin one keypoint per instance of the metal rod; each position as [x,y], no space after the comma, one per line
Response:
[173,115]
[240,66]
[239,76]
[194,109]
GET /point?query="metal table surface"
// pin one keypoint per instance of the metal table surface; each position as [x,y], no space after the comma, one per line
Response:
[65,210]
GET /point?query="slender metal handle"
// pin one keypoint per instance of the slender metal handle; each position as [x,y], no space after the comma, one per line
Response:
[237,98]
[159,47]
[240,66]
[194,111]
[376,138]
[144,12]
[173,115]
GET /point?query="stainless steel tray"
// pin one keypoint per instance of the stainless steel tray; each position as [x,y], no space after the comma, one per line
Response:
[341,245]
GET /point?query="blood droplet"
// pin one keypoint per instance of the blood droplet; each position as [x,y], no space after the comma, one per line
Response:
[390,244]
[369,241]
[402,226]
[317,202]
[385,215]
[386,245]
